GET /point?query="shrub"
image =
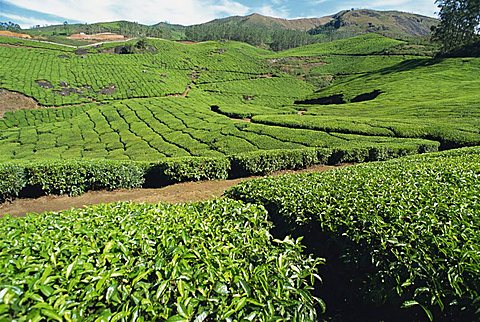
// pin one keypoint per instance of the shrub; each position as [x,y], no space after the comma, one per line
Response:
[77,177]
[170,171]
[12,181]
[403,232]
[214,261]
[268,161]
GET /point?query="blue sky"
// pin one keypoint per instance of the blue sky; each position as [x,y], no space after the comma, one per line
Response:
[34,12]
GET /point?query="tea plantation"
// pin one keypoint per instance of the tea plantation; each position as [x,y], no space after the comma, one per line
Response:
[401,233]
[126,262]
[389,241]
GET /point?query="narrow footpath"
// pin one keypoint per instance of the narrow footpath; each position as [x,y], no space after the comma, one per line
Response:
[177,193]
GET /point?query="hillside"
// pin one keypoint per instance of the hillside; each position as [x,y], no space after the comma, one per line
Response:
[258,20]
[181,100]
[59,33]
[170,102]
[385,241]
[280,34]
[262,31]
[393,24]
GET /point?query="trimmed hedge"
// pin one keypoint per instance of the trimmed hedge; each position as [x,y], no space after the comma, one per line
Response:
[12,181]
[265,162]
[170,171]
[76,177]
[212,261]
[379,152]
[402,233]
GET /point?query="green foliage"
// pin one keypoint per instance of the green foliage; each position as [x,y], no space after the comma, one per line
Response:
[186,169]
[406,107]
[126,28]
[58,78]
[77,177]
[210,261]
[141,114]
[364,44]
[459,24]
[273,38]
[243,111]
[448,134]
[10,26]
[34,44]
[398,215]
[13,180]
[266,162]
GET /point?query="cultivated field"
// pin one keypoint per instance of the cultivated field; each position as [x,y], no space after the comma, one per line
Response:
[389,240]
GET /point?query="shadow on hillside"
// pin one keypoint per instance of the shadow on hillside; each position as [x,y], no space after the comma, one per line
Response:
[409,65]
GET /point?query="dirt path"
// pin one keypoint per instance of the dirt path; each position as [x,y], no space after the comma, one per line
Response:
[193,78]
[178,193]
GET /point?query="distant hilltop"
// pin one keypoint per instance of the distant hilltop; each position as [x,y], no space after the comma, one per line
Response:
[255,29]
[388,23]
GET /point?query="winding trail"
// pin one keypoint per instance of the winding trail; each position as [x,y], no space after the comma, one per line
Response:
[178,193]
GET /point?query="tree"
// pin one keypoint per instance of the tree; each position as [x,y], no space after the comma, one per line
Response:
[65,27]
[10,26]
[459,23]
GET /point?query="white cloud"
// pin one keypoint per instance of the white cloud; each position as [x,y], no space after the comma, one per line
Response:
[27,22]
[148,12]
[268,10]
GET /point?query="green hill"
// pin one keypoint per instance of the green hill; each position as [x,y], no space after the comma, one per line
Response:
[280,34]
[400,238]
[259,30]
[325,63]
[179,100]
[361,45]
[60,33]
[176,101]
[261,21]
[395,24]
[399,96]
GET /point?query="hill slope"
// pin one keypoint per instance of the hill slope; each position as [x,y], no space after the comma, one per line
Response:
[57,33]
[177,101]
[393,24]
[280,34]
[258,20]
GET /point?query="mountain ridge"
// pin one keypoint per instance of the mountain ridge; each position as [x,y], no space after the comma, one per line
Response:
[259,30]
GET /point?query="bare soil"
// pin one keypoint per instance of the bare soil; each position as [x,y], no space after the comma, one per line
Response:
[12,101]
[102,36]
[178,193]
[187,42]
[14,34]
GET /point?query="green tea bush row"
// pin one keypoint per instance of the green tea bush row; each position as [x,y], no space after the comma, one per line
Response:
[406,229]
[76,177]
[265,162]
[213,261]
[177,170]
[449,135]
[12,181]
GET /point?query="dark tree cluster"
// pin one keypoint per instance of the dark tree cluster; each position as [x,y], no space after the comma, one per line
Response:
[459,24]
[10,26]
[256,36]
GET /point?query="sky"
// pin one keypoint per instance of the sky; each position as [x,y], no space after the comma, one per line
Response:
[28,13]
